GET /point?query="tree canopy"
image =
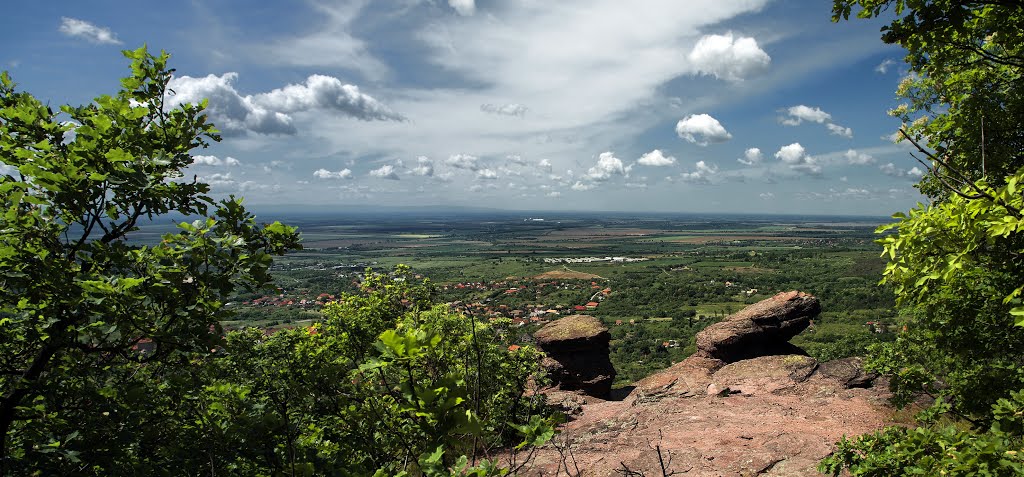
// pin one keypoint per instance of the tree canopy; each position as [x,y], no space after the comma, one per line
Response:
[112,357]
[957,263]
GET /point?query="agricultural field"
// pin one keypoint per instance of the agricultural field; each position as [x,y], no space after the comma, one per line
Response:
[654,280]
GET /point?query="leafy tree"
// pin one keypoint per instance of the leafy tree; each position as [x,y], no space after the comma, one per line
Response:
[77,295]
[956,264]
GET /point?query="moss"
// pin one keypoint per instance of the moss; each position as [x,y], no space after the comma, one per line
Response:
[570,327]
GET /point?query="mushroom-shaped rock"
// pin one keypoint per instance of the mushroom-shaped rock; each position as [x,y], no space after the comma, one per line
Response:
[761,329]
[577,349]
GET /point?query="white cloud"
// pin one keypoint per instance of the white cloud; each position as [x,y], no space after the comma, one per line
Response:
[656,158]
[702,174]
[796,157]
[702,129]
[858,158]
[796,115]
[424,167]
[800,113]
[751,156]
[386,171]
[504,109]
[554,194]
[463,7]
[883,67]
[330,44]
[839,130]
[727,58]
[792,154]
[579,186]
[326,174]
[463,161]
[766,196]
[607,166]
[890,169]
[87,31]
[203,160]
[544,165]
[271,112]
[486,174]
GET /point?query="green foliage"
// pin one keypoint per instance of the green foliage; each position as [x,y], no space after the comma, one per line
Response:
[955,264]
[934,448]
[388,384]
[76,296]
[432,388]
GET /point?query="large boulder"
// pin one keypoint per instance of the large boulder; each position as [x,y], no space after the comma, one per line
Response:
[687,378]
[761,329]
[849,372]
[577,354]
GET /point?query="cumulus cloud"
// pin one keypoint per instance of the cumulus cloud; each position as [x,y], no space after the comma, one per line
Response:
[796,115]
[796,157]
[463,7]
[554,194]
[326,174]
[728,58]
[890,169]
[203,160]
[74,27]
[386,171]
[858,158]
[800,113]
[463,161]
[702,129]
[607,166]
[271,112]
[486,174]
[544,165]
[839,130]
[701,174]
[579,186]
[656,158]
[424,167]
[751,156]
[504,109]
[766,196]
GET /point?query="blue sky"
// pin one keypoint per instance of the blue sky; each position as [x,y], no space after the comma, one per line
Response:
[668,106]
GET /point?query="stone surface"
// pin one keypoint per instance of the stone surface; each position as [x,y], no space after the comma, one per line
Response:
[848,371]
[577,354]
[761,329]
[689,377]
[776,416]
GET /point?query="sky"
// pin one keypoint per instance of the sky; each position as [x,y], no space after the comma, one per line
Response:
[738,106]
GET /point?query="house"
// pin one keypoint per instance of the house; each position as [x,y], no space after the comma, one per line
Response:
[579,308]
[592,305]
[513,348]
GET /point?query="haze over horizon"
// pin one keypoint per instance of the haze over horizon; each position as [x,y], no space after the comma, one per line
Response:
[750,106]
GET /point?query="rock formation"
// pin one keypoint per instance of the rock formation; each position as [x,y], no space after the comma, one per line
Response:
[738,407]
[577,354]
[761,329]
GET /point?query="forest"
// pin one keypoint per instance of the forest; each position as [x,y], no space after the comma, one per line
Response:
[122,355]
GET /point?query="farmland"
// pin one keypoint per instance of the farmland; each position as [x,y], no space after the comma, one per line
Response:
[654,280]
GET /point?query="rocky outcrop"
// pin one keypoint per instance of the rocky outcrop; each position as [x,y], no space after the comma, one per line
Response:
[848,371]
[768,416]
[761,329]
[741,406]
[577,354]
